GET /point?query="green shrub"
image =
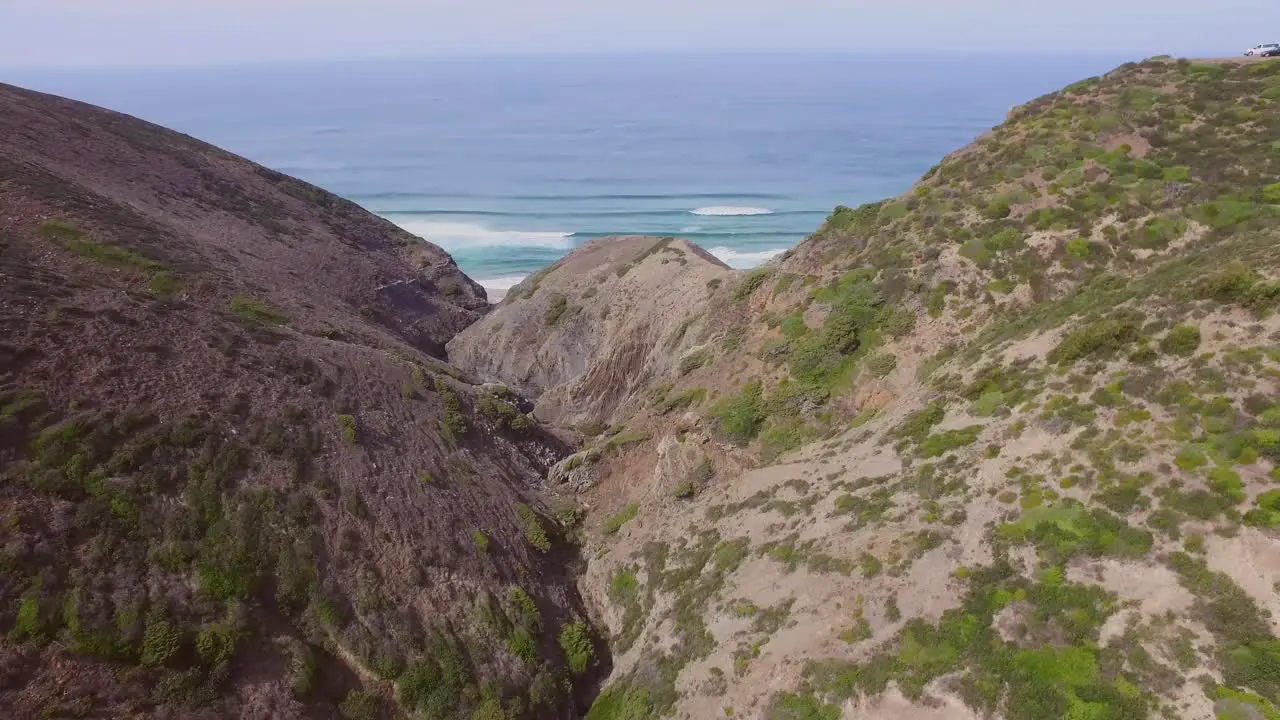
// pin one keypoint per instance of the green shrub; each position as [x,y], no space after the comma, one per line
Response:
[575,641]
[255,312]
[304,671]
[556,310]
[76,241]
[1189,458]
[348,428]
[881,364]
[1224,213]
[1267,512]
[164,284]
[869,564]
[533,530]
[693,361]
[522,645]
[937,300]
[793,327]
[452,423]
[916,426]
[1101,337]
[988,404]
[742,415]
[1066,529]
[805,706]
[622,701]
[1078,249]
[480,540]
[216,644]
[1182,340]
[524,611]
[1271,193]
[624,516]
[750,283]
[997,209]
[360,705]
[1158,232]
[783,435]
[435,685]
[944,442]
[1227,482]
[29,623]
[161,641]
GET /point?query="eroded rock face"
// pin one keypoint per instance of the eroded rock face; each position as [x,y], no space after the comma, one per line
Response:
[585,335]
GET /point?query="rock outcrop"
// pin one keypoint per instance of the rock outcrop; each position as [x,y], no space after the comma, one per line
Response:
[587,334]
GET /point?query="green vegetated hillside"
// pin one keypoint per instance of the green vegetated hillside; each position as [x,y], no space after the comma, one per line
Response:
[1037,406]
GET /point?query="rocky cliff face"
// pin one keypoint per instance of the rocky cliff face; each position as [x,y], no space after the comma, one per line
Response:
[239,480]
[588,334]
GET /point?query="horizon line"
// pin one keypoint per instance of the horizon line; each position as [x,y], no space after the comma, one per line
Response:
[578,54]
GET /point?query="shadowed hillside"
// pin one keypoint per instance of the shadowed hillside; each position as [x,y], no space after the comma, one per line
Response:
[239,479]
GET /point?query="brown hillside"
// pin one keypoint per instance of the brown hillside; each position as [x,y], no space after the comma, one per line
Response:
[236,477]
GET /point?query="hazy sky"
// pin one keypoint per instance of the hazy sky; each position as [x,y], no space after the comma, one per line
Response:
[41,33]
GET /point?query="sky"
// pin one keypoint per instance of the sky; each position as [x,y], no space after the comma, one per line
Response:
[146,33]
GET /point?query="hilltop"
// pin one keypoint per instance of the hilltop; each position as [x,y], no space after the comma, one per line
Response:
[1004,445]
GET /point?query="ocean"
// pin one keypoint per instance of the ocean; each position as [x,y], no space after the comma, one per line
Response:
[509,163]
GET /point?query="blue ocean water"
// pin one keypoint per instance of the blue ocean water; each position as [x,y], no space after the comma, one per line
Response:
[509,163]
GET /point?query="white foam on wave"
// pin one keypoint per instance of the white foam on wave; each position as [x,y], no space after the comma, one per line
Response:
[725,210]
[691,229]
[740,260]
[456,236]
[497,288]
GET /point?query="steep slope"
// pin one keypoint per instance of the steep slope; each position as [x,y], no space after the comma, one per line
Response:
[583,359]
[1005,446]
[239,480]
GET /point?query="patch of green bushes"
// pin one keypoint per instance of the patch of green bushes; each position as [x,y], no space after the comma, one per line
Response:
[164,284]
[534,532]
[77,241]
[1099,338]
[750,283]
[256,312]
[693,361]
[575,641]
[944,442]
[1067,528]
[557,309]
[348,428]
[916,425]
[742,415]
[1182,340]
[624,516]
[881,364]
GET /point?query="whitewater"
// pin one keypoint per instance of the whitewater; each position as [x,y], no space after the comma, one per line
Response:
[729,235]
